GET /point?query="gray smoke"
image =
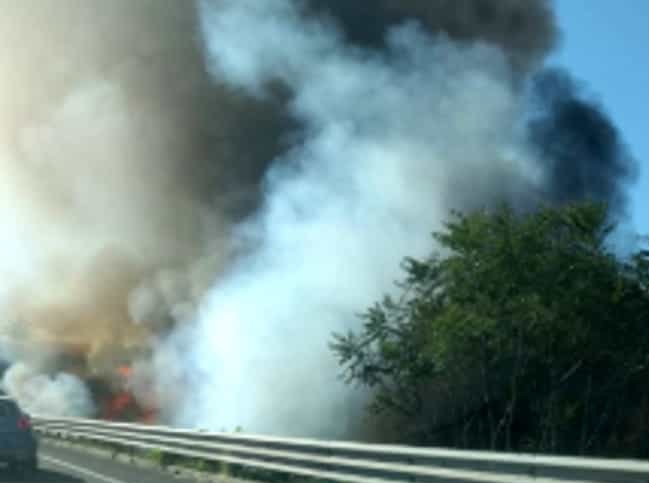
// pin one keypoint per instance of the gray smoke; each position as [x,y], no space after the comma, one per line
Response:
[122,167]
[205,194]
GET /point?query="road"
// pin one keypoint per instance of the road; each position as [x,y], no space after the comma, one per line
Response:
[66,465]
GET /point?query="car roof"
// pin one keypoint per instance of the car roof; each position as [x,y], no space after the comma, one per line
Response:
[9,400]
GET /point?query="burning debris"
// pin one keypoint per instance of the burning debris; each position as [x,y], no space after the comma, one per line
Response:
[229,182]
[118,402]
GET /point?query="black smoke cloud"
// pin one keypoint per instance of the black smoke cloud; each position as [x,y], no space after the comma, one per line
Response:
[578,144]
[525,30]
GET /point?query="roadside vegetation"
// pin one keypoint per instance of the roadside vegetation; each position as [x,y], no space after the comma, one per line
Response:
[520,332]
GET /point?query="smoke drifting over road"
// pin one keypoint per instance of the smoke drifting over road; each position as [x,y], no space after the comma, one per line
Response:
[204,193]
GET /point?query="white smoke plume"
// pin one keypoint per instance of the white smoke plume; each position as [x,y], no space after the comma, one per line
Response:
[60,394]
[391,141]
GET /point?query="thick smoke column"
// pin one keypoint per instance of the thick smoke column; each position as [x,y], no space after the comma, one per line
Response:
[195,198]
[122,165]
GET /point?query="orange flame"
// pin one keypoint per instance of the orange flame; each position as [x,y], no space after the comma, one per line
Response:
[123,406]
[125,371]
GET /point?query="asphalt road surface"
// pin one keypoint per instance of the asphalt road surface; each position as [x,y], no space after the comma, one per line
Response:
[66,465]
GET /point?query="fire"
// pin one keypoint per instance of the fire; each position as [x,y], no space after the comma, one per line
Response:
[125,371]
[118,408]
[120,403]
[149,416]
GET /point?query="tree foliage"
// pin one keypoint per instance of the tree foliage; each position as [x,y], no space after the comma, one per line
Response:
[523,332]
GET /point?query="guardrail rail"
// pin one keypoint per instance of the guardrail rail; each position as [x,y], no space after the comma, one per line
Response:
[350,462]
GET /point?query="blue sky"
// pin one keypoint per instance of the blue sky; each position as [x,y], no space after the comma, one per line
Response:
[606,44]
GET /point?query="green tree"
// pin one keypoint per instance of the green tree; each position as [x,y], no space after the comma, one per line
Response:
[523,332]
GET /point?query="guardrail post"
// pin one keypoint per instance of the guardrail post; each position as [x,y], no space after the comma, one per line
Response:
[411,462]
[130,451]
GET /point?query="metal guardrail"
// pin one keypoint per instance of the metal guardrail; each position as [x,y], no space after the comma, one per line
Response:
[351,462]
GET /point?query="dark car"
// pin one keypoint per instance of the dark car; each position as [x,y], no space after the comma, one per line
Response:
[18,445]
